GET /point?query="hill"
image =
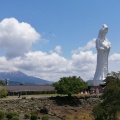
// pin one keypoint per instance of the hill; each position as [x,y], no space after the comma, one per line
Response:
[17,77]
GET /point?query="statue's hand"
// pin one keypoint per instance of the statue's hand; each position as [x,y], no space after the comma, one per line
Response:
[101,48]
[107,47]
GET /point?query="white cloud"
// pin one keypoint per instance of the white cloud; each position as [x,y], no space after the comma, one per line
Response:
[52,66]
[84,64]
[84,56]
[46,66]
[16,38]
[58,49]
[115,57]
[6,65]
[114,62]
[88,46]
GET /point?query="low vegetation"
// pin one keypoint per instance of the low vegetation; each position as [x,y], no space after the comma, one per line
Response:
[68,104]
[3,91]
[109,108]
[52,108]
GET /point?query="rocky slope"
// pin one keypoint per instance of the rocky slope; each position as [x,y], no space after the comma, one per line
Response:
[58,108]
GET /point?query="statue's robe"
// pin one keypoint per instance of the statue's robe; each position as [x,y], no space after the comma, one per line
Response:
[103,48]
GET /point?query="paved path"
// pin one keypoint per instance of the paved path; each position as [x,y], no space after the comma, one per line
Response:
[27,97]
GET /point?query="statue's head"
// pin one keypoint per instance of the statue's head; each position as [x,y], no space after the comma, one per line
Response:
[103,31]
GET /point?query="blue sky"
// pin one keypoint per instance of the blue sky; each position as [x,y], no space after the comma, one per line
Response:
[55,38]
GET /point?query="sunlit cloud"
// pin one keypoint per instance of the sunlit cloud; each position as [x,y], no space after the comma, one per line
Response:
[90,45]
[16,38]
[58,49]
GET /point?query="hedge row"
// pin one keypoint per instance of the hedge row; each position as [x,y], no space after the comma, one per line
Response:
[11,93]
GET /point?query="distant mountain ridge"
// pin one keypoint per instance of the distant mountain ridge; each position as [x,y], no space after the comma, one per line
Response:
[18,77]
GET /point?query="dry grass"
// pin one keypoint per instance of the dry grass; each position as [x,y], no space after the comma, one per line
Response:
[82,115]
[119,116]
[85,115]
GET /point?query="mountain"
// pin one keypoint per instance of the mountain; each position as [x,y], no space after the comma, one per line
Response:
[17,77]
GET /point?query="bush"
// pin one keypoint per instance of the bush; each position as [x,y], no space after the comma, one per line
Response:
[109,108]
[2,114]
[15,118]
[27,116]
[38,117]
[3,93]
[34,112]
[33,117]
[44,110]
[45,117]
[11,114]
[23,97]
[99,112]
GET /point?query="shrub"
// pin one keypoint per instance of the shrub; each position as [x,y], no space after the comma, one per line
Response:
[34,112]
[23,97]
[11,114]
[38,117]
[2,114]
[45,117]
[44,110]
[3,93]
[33,117]
[15,118]
[27,116]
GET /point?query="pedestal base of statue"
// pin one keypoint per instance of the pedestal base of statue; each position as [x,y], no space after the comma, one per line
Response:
[97,82]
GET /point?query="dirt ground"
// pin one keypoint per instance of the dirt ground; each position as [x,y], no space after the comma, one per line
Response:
[57,107]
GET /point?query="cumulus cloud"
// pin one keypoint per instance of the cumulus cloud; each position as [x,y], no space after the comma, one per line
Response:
[84,64]
[88,46]
[114,62]
[58,49]
[52,66]
[40,61]
[16,37]
[47,66]
[115,57]
[6,65]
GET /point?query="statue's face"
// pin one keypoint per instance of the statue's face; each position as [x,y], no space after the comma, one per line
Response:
[103,31]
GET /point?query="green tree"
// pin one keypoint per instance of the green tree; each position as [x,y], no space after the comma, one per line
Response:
[70,85]
[110,106]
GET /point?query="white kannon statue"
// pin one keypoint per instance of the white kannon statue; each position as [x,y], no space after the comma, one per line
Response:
[103,48]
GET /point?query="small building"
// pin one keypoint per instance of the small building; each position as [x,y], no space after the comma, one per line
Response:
[95,88]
